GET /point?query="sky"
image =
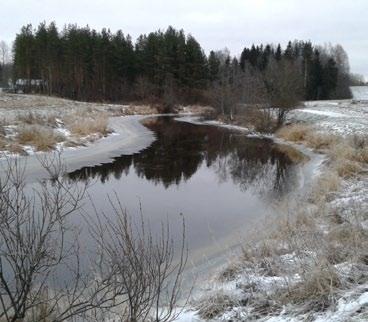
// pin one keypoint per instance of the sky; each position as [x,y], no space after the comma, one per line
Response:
[215,24]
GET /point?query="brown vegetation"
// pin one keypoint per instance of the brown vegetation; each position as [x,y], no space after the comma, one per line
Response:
[345,154]
[315,251]
[42,138]
[87,125]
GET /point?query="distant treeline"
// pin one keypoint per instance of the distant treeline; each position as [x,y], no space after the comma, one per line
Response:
[170,66]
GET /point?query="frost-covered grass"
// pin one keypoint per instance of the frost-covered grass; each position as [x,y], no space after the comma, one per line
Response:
[42,138]
[31,123]
[84,125]
[344,118]
[311,262]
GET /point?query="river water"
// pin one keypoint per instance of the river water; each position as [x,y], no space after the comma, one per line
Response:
[220,180]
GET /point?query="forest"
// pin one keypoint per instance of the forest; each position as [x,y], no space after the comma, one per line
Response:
[171,67]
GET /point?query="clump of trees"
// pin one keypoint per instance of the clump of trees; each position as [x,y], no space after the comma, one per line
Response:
[171,67]
[276,80]
[83,64]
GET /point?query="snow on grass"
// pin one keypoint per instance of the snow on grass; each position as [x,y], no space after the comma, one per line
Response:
[349,307]
[340,117]
[350,201]
[325,113]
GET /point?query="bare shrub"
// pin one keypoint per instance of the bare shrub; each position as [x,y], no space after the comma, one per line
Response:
[43,138]
[136,273]
[146,272]
[31,242]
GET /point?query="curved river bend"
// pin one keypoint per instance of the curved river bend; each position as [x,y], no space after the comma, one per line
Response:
[220,180]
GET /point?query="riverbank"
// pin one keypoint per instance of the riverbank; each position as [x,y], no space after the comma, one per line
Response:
[309,263]
[87,134]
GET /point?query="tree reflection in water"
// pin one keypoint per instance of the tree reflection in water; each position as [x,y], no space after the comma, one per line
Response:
[182,148]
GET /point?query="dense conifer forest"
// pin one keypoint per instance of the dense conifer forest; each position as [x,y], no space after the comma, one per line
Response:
[171,66]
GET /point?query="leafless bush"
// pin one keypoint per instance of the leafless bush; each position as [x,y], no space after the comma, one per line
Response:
[144,266]
[32,242]
[42,277]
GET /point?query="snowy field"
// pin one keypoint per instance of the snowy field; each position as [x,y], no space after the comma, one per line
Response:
[344,117]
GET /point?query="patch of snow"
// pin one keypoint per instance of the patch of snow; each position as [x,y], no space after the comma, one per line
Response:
[188,316]
[345,117]
[347,307]
[30,150]
[325,113]
[65,132]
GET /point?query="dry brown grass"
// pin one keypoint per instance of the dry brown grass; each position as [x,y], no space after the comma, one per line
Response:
[294,133]
[213,306]
[301,133]
[37,119]
[3,143]
[320,141]
[317,290]
[315,252]
[325,187]
[347,168]
[84,126]
[347,155]
[293,154]
[42,138]
[319,238]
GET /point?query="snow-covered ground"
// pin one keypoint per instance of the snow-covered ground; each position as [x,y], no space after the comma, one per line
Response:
[342,118]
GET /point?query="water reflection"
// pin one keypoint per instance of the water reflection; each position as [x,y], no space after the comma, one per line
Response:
[182,148]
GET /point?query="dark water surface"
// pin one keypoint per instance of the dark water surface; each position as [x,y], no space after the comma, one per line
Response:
[218,179]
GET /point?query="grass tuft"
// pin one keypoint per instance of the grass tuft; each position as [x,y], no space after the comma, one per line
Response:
[42,138]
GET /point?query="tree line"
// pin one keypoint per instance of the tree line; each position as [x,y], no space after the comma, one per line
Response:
[170,66]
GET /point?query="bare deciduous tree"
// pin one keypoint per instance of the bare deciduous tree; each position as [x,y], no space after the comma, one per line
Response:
[284,86]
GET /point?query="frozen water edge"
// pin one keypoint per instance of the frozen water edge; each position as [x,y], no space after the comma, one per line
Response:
[130,136]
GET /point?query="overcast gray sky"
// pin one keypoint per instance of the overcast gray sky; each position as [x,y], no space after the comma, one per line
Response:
[215,24]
